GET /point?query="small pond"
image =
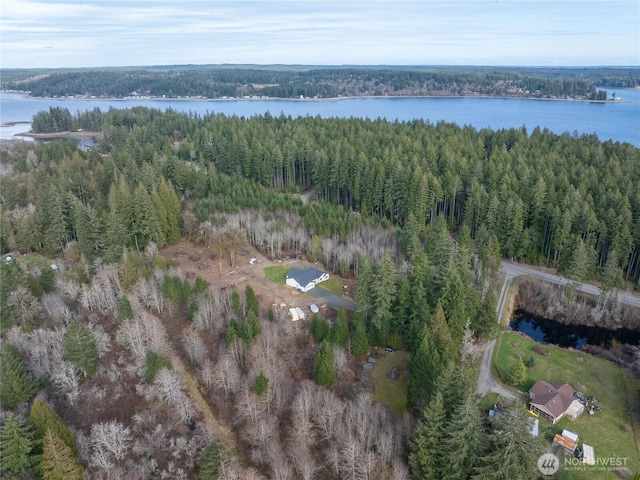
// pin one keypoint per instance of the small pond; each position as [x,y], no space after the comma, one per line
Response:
[543,330]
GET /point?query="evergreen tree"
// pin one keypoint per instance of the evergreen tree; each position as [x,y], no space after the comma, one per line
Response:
[463,440]
[80,347]
[324,370]
[15,445]
[251,327]
[319,328]
[514,451]
[517,373]
[260,384]
[456,382]
[47,279]
[33,284]
[145,225]
[384,289]
[58,460]
[359,340]
[253,304]
[42,418]
[15,385]
[426,365]
[125,311]
[153,363]
[363,294]
[210,463]
[340,329]
[426,450]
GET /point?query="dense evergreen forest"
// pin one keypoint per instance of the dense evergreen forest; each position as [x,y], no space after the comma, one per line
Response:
[546,199]
[322,82]
[419,213]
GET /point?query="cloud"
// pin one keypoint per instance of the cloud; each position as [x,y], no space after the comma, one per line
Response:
[95,33]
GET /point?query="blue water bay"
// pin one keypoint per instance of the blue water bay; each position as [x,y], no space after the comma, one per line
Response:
[617,121]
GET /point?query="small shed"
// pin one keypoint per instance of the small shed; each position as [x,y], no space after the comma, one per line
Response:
[565,444]
[294,314]
[570,435]
[588,455]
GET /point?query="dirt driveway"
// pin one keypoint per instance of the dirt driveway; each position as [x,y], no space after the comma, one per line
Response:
[193,260]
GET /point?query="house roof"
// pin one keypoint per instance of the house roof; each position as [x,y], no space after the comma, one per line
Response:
[305,276]
[556,398]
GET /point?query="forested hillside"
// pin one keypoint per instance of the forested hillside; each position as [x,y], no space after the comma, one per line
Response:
[323,82]
[116,364]
[547,199]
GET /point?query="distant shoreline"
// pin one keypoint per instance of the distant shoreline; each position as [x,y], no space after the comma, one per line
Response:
[309,99]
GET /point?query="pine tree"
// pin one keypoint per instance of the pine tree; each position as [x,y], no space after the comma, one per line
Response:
[58,460]
[363,294]
[324,370]
[80,347]
[319,328]
[125,311]
[210,463]
[153,363]
[384,290]
[15,445]
[359,340]
[514,451]
[15,385]
[251,327]
[42,417]
[261,384]
[426,451]
[145,225]
[464,437]
[173,211]
[253,304]
[424,370]
[517,373]
[47,279]
[340,329]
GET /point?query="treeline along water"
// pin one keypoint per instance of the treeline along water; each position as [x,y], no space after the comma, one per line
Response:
[544,330]
[617,121]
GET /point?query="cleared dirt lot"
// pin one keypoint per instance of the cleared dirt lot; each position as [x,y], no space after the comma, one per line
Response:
[193,260]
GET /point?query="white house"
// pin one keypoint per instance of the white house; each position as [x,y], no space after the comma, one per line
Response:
[305,279]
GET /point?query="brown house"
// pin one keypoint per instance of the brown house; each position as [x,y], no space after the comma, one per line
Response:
[553,401]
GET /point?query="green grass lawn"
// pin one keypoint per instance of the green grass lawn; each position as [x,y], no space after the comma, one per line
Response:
[334,285]
[276,274]
[609,431]
[393,393]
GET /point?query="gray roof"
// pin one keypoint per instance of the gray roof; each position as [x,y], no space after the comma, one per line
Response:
[305,276]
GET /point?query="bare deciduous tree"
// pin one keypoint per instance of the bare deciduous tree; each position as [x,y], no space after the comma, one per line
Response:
[110,442]
[171,389]
[303,461]
[24,303]
[193,345]
[66,377]
[227,374]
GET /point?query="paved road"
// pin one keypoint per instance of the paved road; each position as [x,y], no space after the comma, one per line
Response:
[513,270]
[331,299]
[486,383]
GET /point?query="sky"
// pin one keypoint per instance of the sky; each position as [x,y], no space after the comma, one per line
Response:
[56,33]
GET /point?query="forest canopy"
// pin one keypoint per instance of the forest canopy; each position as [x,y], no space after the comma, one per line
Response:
[220,81]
